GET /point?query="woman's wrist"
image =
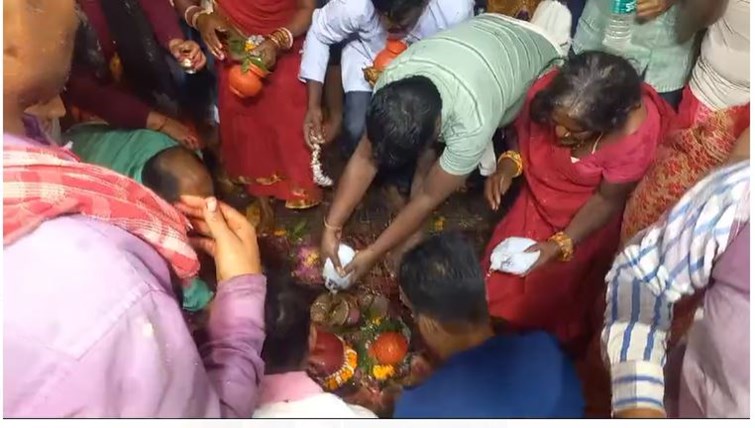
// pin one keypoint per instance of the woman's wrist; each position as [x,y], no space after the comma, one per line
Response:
[282,38]
[331,226]
[199,18]
[191,13]
[565,245]
[511,162]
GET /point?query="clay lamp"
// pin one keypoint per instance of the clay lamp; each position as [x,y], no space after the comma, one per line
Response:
[332,360]
[335,310]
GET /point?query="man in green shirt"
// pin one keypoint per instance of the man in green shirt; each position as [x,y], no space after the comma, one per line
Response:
[155,160]
[457,87]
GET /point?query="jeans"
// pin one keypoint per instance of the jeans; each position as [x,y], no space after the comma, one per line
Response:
[354,116]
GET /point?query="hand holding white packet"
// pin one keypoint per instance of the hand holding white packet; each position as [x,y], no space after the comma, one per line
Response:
[333,281]
[510,257]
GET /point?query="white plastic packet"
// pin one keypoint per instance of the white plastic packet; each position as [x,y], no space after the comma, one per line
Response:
[333,281]
[510,257]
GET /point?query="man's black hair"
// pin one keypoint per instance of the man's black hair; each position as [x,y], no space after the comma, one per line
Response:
[158,177]
[442,279]
[287,323]
[598,89]
[402,119]
[397,10]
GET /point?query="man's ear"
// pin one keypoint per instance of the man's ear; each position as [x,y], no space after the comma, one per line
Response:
[429,328]
[438,124]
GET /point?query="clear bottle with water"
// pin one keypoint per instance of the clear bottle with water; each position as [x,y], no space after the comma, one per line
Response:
[618,32]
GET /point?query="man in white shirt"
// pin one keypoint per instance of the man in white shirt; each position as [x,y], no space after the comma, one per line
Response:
[364,27]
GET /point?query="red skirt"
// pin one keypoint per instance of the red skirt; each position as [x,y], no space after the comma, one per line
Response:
[262,144]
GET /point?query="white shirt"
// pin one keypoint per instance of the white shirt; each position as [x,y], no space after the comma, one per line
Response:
[357,21]
[721,77]
[323,405]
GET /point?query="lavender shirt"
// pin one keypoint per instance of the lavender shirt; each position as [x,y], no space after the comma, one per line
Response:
[92,328]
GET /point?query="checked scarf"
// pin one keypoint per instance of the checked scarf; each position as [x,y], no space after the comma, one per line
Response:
[40,184]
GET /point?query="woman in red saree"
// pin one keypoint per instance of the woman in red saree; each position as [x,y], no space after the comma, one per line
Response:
[587,134]
[261,141]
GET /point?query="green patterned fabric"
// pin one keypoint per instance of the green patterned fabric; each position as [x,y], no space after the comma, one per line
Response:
[654,50]
[124,151]
[197,295]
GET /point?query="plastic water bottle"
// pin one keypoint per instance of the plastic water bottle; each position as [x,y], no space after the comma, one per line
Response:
[618,32]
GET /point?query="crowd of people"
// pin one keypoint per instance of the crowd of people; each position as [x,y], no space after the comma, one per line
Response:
[628,173]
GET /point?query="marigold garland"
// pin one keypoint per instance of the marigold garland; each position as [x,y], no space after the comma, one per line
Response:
[346,372]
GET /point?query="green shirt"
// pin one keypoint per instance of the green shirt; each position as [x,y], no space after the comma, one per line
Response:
[126,152]
[482,69]
[654,50]
[123,151]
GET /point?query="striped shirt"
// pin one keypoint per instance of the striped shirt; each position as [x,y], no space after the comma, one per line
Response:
[482,69]
[671,259]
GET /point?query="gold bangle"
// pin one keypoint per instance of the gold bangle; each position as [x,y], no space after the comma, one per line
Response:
[514,157]
[195,19]
[282,38]
[328,226]
[193,8]
[565,245]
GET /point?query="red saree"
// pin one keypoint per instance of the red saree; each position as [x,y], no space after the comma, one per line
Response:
[261,139]
[560,297]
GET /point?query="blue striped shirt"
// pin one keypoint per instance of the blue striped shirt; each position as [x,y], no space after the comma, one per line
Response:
[671,259]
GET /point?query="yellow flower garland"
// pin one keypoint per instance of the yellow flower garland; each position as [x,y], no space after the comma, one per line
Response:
[337,379]
[383,372]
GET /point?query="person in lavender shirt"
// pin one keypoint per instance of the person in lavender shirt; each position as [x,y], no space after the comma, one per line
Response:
[92,327]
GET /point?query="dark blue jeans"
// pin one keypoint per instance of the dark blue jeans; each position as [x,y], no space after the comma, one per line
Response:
[355,106]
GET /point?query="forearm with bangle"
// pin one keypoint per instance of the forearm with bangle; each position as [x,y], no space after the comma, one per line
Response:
[515,165]
[515,168]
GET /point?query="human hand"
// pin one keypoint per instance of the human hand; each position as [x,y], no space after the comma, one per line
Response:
[182,49]
[640,413]
[209,25]
[313,129]
[648,10]
[268,52]
[223,233]
[331,241]
[181,133]
[361,264]
[496,186]
[549,251]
